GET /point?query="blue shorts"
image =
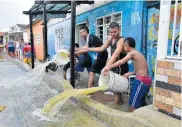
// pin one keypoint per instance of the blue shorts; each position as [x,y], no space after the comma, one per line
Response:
[11,49]
[78,68]
[138,91]
[28,55]
[81,69]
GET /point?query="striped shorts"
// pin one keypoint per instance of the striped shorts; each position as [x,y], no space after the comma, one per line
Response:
[138,92]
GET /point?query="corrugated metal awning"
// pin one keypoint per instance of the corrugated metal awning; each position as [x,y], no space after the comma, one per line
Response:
[54,9]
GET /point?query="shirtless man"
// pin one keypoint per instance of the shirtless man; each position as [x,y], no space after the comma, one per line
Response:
[141,85]
[117,53]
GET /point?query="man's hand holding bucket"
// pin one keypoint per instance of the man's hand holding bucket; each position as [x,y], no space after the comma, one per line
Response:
[106,69]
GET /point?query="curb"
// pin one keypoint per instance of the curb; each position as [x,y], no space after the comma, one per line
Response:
[19,63]
[142,117]
[111,117]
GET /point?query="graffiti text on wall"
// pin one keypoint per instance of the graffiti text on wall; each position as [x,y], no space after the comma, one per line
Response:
[135,18]
[58,38]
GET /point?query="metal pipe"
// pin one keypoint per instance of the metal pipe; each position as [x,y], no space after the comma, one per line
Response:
[32,41]
[50,12]
[72,45]
[45,31]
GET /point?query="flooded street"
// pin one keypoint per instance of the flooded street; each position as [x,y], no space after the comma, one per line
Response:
[25,93]
[22,93]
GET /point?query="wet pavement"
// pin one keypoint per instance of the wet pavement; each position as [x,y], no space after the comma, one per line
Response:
[22,93]
[25,92]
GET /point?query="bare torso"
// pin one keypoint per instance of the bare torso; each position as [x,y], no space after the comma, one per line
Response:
[140,63]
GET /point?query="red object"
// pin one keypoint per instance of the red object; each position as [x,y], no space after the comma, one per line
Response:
[145,79]
[27,48]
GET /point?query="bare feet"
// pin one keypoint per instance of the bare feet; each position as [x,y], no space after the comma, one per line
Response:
[131,108]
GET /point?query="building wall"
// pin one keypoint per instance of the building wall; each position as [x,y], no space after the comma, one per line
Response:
[38,39]
[131,22]
[25,36]
[152,34]
[168,82]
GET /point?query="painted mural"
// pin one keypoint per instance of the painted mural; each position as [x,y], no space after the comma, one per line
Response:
[152,37]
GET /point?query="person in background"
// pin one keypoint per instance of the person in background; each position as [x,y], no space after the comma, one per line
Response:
[142,84]
[11,48]
[21,46]
[27,53]
[17,49]
[6,47]
[1,47]
[84,61]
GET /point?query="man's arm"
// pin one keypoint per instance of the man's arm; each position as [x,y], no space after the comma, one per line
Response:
[102,48]
[118,63]
[128,74]
[117,52]
[122,61]
[81,51]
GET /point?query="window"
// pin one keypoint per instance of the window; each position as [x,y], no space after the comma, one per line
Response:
[102,26]
[175,32]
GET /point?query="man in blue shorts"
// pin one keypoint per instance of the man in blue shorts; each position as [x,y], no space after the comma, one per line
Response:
[84,61]
[11,48]
[142,84]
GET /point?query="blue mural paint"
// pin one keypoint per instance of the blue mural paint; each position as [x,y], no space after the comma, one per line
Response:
[131,22]
[152,39]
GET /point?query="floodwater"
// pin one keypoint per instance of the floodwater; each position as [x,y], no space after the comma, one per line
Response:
[25,93]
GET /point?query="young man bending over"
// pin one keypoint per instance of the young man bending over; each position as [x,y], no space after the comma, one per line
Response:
[141,85]
[84,61]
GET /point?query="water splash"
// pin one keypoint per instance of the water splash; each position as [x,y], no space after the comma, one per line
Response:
[52,106]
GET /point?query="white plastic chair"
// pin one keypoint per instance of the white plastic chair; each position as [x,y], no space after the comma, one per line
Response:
[130,81]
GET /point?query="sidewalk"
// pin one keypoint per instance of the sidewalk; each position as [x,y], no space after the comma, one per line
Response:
[20,63]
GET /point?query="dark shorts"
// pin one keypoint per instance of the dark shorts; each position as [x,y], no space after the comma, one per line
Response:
[121,70]
[66,66]
[99,64]
[81,65]
[11,49]
[138,91]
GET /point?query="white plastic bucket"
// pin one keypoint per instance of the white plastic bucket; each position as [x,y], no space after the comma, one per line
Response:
[62,57]
[116,83]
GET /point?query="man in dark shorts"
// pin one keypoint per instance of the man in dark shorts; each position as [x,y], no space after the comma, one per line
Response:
[115,42]
[84,61]
[11,48]
[98,59]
